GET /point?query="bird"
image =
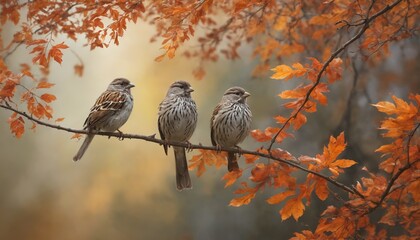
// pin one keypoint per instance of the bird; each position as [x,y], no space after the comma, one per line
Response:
[177,119]
[231,122]
[110,112]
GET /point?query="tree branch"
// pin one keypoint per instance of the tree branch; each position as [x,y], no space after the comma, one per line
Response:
[152,138]
[362,30]
[398,174]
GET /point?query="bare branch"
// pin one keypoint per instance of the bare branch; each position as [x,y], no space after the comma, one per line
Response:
[152,138]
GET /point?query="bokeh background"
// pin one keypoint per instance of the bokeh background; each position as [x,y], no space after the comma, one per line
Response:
[126,189]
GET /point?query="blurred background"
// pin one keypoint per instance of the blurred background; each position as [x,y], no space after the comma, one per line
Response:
[126,189]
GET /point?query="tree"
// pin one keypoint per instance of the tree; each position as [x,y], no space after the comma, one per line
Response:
[307,42]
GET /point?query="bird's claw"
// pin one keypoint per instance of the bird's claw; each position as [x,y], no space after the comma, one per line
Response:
[189,146]
[121,137]
[239,149]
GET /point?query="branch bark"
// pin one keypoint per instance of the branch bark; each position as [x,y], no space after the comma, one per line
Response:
[153,139]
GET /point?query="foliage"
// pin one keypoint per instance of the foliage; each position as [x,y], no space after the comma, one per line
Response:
[317,33]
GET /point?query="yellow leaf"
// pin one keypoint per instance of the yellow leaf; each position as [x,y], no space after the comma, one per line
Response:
[281,72]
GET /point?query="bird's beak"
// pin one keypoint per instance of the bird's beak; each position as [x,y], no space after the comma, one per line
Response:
[130,86]
[246,94]
[190,90]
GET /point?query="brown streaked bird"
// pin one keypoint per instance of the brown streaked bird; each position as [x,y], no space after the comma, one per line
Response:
[177,121]
[231,122]
[110,111]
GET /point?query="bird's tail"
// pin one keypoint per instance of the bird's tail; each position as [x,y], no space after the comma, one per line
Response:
[84,146]
[232,162]
[183,180]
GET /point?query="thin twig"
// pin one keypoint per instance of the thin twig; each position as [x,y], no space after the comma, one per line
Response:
[397,175]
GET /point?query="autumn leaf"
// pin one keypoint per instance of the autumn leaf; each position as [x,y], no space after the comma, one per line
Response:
[209,158]
[293,207]
[48,97]
[282,72]
[276,199]
[17,126]
[77,136]
[334,148]
[44,85]
[260,136]
[390,217]
[8,89]
[231,177]
[250,158]
[343,163]
[282,154]
[59,120]
[56,52]
[321,189]
[249,194]
[261,172]
[78,69]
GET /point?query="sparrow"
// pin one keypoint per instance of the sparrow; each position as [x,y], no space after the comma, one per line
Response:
[110,111]
[231,122]
[177,121]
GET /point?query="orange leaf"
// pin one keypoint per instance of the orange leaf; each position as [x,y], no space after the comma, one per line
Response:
[207,157]
[160,58]
[282,72]
[275,199]
[321,189]
[390,217]
[249,158]
[260,172]
[17,126]
[8,89]
[294,207]
[282,154]
[385,107]
[231,177]
[48,97]
[59,120]
[44,85]
[78,69]
[76,135]
[335,147]
[260,136]
[299,121]
[343,163]
[244,200]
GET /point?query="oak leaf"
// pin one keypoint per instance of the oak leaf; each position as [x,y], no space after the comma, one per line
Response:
[293,207]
